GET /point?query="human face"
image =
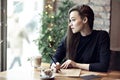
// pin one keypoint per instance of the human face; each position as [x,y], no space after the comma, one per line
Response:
[76,22]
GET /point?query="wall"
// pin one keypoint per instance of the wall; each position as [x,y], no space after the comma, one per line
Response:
[115,26]
[114,35]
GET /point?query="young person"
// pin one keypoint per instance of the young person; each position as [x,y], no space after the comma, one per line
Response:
[83,47]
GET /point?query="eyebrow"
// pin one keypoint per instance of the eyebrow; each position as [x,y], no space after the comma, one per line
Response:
[72,17]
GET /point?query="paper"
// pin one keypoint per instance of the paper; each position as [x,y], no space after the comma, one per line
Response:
[69,72]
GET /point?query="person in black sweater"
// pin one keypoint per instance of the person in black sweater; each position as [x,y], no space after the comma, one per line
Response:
[83,47]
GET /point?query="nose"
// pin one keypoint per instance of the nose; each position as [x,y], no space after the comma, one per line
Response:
[70,24]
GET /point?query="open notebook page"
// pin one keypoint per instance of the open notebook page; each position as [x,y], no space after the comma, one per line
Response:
[69,72]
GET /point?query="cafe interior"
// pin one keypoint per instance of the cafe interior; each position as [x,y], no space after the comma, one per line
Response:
[29,14]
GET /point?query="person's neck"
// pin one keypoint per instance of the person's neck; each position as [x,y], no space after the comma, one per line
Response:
[86,31]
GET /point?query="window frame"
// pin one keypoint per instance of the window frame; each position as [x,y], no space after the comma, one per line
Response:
[3,35]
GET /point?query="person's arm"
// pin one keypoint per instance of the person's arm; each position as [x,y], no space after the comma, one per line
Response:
[70,63]
[59,55]
[83,66]
[25,35]
[104,47]
[60,52]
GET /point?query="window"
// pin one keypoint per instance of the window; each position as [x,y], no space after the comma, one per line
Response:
[23,27]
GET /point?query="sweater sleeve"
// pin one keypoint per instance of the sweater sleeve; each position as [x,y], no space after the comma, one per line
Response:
[104,45]
[60,52]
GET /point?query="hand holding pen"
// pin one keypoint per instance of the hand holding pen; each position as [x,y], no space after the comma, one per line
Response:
[55,65]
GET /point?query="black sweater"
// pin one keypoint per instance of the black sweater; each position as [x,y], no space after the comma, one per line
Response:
[93,49]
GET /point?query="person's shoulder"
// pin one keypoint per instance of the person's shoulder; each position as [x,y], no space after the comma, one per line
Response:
[101,32]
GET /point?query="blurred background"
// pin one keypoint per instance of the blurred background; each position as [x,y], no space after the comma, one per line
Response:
[23,22]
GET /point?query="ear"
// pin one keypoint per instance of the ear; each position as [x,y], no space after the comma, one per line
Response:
[85,19]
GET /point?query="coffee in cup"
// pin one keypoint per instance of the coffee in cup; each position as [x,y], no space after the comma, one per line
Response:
[36,61]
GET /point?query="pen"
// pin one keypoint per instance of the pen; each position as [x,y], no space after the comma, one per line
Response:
[54,62]
[52,59]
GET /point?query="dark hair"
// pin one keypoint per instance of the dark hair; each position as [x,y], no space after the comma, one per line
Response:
[73,39]
[84,11]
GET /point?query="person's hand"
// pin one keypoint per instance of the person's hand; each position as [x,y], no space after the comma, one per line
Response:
[68,64]
[56,67]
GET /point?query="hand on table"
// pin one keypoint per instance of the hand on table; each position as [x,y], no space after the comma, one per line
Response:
[68,64]
[56,67]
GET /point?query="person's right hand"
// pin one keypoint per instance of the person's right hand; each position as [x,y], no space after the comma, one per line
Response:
[56,67]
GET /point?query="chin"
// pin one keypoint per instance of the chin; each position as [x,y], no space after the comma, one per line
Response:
[74,32]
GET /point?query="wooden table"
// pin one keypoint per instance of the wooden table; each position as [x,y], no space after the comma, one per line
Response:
[29,73]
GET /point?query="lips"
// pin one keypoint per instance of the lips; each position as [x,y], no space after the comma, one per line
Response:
[72,28]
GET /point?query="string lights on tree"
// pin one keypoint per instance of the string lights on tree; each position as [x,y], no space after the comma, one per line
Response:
[54,26]
[49,6]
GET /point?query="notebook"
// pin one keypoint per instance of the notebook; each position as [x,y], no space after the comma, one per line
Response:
[69,72]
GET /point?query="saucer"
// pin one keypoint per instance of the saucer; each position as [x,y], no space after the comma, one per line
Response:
[47,78]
